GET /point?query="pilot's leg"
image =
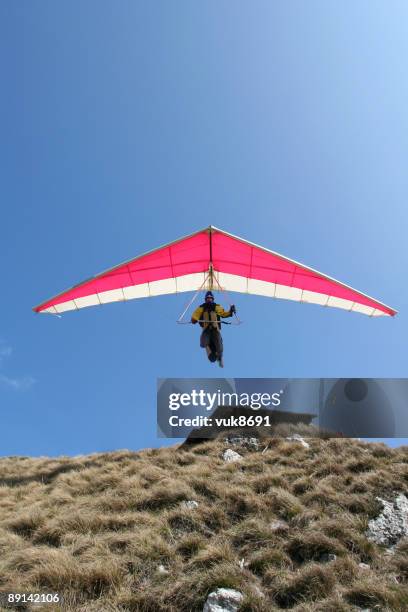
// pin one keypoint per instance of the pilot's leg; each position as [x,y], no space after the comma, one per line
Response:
[204,338]
[219,347]
[211,347]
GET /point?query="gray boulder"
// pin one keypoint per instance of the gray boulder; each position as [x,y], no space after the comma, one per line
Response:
[223,600]
[392,524]
[189,504]
[299,439]
[229,456]
[245,441]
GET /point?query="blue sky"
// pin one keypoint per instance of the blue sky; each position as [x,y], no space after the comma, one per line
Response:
[126,125]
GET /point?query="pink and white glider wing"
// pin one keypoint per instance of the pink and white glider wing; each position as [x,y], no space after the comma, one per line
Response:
[236,264]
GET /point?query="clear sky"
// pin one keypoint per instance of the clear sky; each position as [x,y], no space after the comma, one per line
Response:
[125,125]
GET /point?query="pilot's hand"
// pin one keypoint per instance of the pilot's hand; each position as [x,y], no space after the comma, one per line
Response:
[233,309]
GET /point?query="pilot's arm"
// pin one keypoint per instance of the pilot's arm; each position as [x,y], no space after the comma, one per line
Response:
[224,313]
[197,315]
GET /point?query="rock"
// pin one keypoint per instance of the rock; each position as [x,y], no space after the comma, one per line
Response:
[364,566]
[298,438]
[327,557]
[162,570]
[229,456]
[223,600]
[392,524]
[190,504]
[252,443]
[236,440]
[278,525]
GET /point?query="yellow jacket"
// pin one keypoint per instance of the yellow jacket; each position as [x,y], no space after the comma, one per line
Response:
[198,313]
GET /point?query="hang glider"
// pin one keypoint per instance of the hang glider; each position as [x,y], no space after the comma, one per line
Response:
[208,259]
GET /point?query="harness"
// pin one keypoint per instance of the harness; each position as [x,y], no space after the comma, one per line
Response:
[210,315]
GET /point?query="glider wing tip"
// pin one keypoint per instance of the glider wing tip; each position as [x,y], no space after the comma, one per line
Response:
[37,309]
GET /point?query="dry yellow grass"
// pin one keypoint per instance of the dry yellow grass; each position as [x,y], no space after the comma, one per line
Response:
[110,532]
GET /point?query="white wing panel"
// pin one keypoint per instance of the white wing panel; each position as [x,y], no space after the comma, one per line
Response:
[50,310]
[65,306]
[260,287]
[136,291]
[314,298]
[161,287]
[378,313]
[190,282]
[232,282]
[288,293]
[113,295]
[336,302]
[367,310]
[88,300]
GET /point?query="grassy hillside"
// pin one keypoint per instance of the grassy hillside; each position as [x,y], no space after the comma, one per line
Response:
[110,531]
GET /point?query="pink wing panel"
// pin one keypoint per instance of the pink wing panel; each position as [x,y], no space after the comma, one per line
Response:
[187,256]
[232,256]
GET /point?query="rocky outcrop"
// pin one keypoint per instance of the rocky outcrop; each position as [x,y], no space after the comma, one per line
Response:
[392,524]
[189,504]
[230,456]
[223,600]
[250,443]
[297,438]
